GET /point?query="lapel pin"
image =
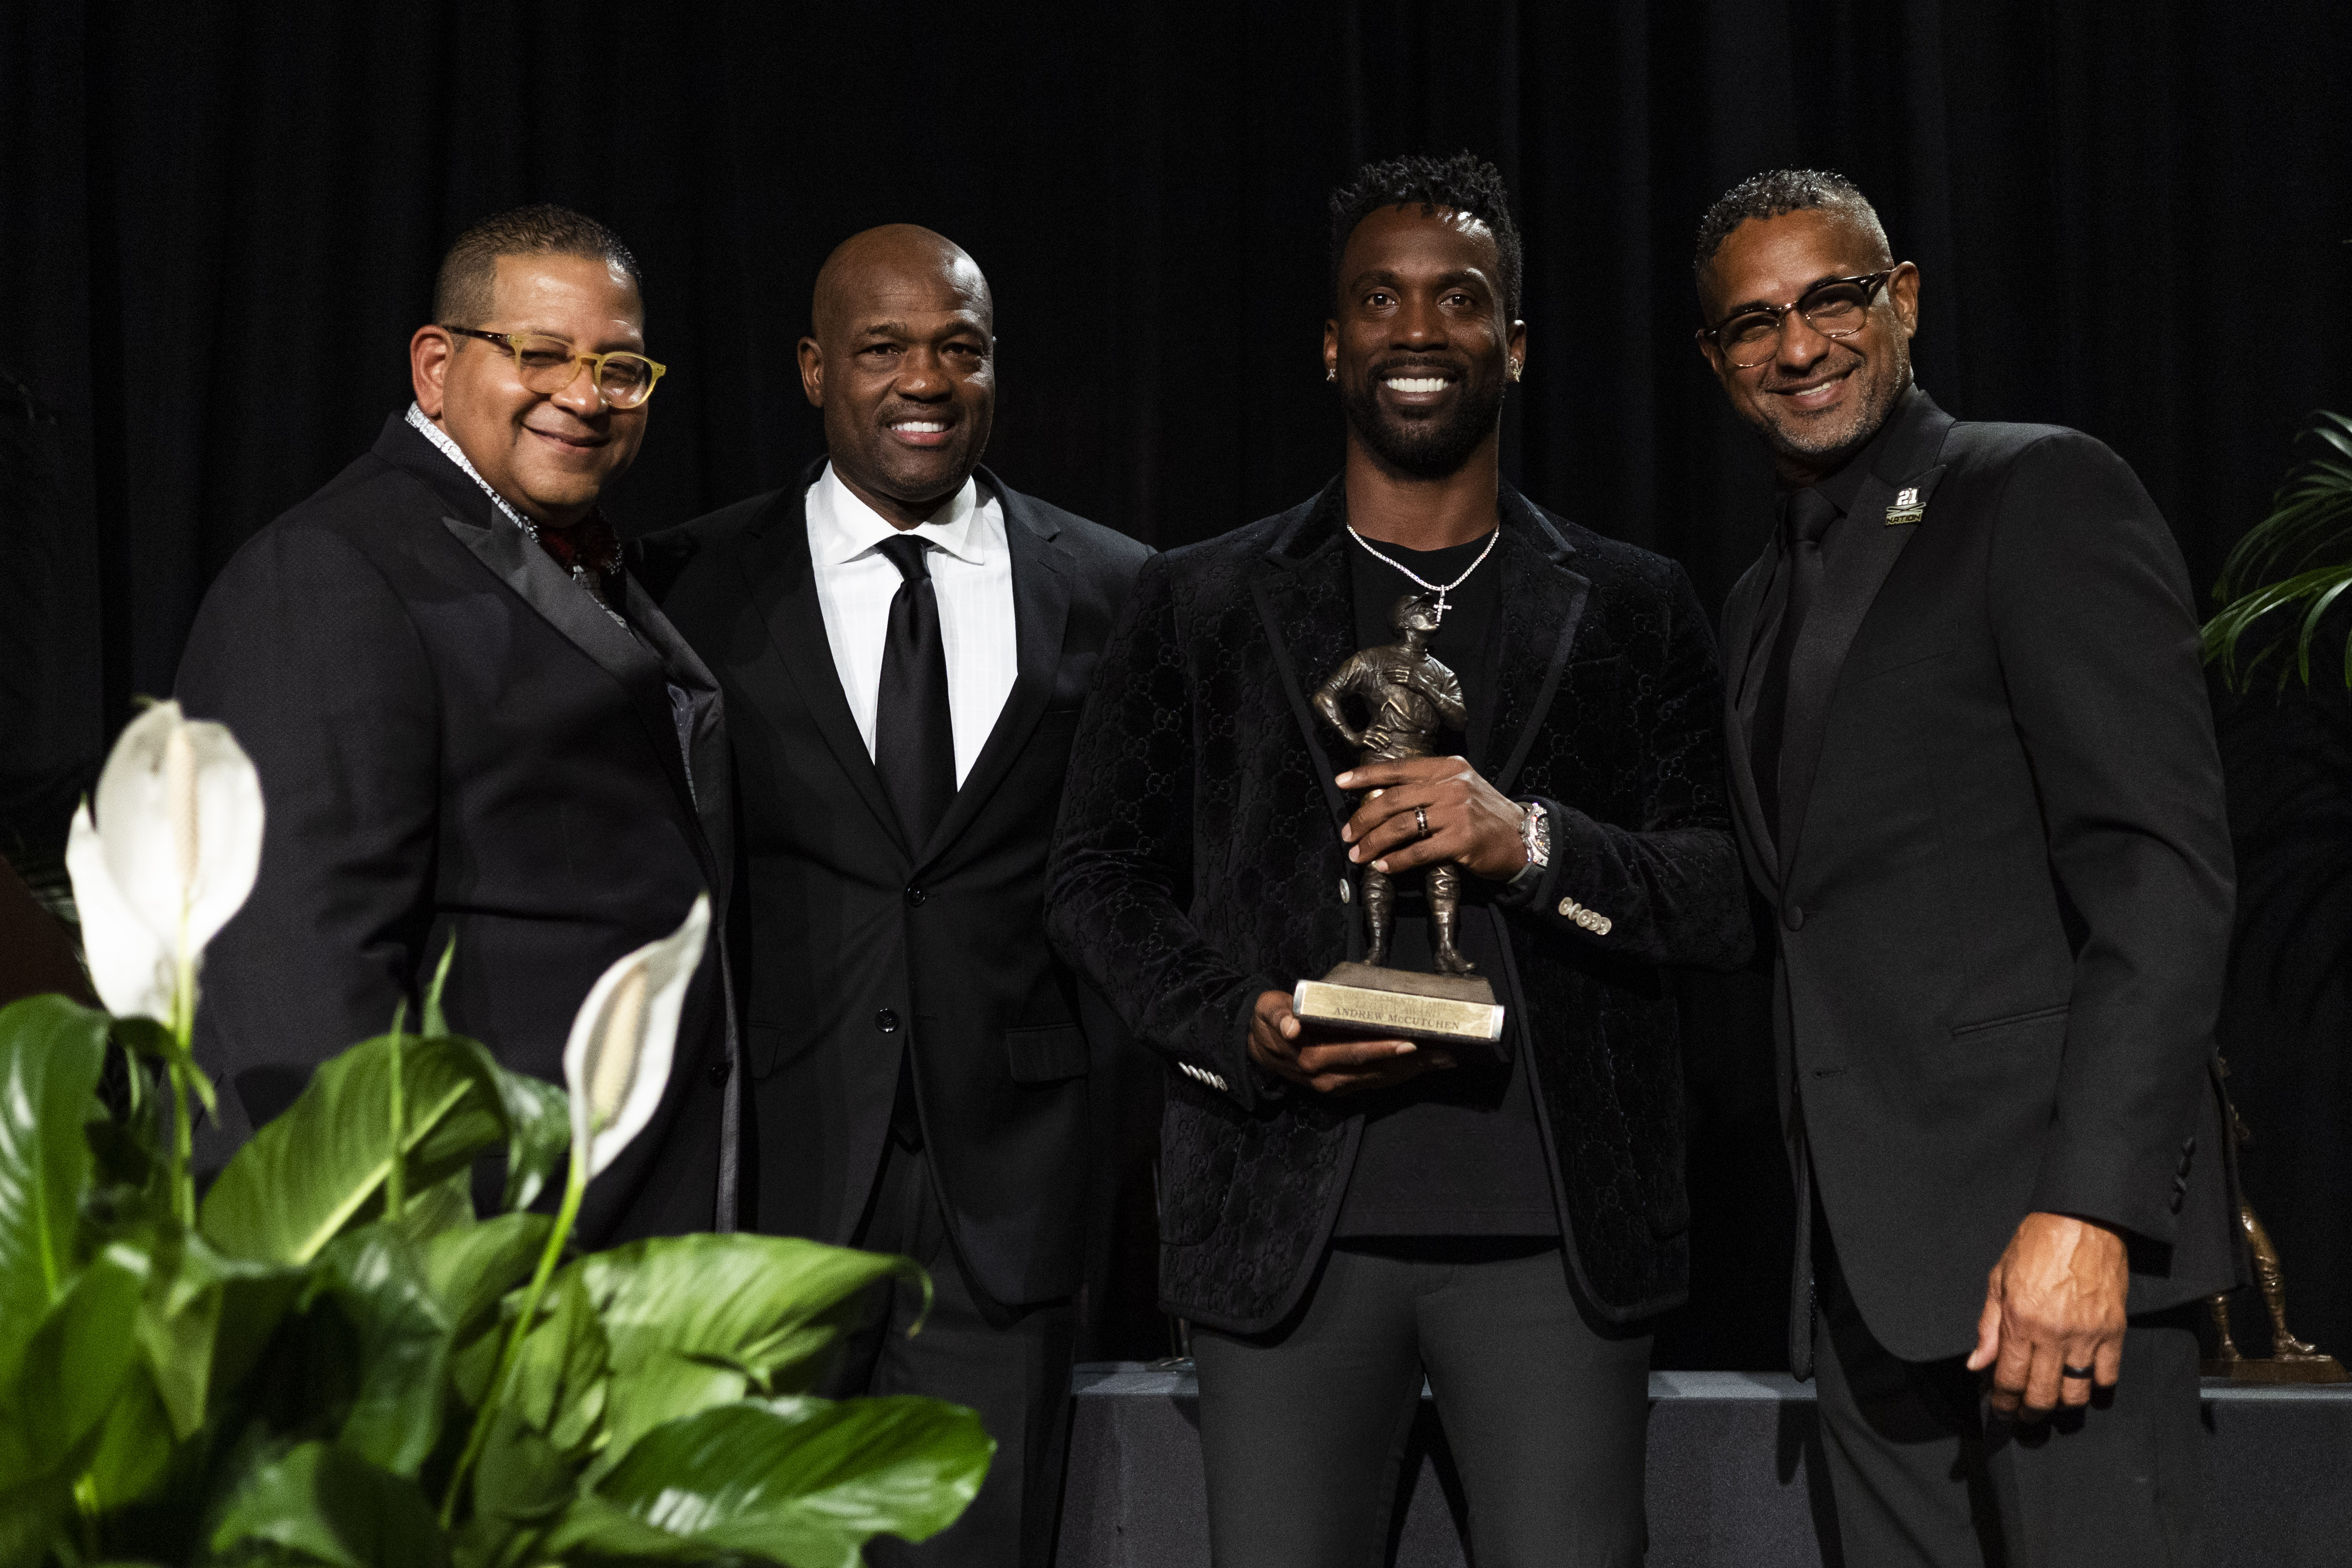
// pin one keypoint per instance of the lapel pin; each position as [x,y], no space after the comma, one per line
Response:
[1907,507]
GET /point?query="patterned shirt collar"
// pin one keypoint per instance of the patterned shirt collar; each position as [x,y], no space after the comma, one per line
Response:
[450,449]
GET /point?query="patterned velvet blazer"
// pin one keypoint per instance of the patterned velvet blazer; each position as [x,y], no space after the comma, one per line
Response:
[1198,863]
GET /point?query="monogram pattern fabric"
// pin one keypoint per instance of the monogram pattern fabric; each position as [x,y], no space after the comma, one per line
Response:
[1199,864]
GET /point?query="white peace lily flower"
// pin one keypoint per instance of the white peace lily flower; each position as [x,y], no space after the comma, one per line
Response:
[169,858]
[131,966]
[617,1061]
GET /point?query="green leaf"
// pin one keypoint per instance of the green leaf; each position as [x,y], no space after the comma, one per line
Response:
[435,1022]
[146,1038]
[758,1302]
[446,1205]
[333,1507]
[135,1448]
[2223,634]
[127,1172]
[2300,554]
[378,1279]
[2321,598]
[31,1518]
[538,1119]
[696,1320]
[800,1481]
[520,1477]
[205,1322]
[74,1366]
[320,1167]
[477,1357]
[469,1268]
[605,1531]
[560,1375]
[51,1051]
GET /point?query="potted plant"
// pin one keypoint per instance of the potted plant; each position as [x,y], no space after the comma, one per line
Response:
[333,1358]
[2299,557]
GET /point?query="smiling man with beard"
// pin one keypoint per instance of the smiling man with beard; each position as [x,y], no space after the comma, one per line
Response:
[1978,789]
[1344,1217]
[905,642]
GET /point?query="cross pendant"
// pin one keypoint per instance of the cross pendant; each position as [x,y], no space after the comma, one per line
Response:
[1441,606]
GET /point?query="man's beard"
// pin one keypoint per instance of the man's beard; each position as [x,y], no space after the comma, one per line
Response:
[1429,449]
[1878,399]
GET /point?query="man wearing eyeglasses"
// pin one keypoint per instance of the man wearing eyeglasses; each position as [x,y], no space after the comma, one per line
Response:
[1976,785]
[472,725]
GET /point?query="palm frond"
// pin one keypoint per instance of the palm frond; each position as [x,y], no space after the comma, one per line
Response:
[2299,555]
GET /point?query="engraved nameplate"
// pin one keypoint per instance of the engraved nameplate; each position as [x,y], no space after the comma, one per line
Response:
[1360,999]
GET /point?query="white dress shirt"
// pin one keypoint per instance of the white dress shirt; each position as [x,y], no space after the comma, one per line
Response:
[971,576]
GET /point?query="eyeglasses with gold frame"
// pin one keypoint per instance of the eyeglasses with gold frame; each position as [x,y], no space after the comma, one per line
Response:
[548,364]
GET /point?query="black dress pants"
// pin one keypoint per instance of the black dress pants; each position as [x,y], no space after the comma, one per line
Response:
[1924,1473]
[1545,1410]
[1013,1366]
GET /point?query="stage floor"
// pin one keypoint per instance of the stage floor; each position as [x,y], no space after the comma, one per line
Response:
[1733,1470]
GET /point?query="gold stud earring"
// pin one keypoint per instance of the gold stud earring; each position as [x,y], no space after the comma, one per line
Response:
[1330,373]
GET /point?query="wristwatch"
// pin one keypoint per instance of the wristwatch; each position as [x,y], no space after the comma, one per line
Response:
[1535,837]
[1535,833]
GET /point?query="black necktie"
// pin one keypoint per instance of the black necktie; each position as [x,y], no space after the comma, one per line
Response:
[1806,517]
[914,731]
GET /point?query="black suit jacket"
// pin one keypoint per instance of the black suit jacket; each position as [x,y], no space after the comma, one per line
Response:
[1199,864]
[453,738]
[856,945]
[2003,909]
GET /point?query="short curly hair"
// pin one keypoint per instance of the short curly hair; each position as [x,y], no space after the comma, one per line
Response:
[1776,192]
[461,294]
[1464,183]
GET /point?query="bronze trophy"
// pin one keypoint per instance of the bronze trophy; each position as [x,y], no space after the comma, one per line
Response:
[2291,1360]
[1408,696]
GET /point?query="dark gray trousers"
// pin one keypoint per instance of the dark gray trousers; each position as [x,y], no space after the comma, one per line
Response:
[1924,1474]
[1545,1410]
[1012,1366]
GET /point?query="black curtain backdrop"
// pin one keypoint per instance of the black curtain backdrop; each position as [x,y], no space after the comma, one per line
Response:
[218,227]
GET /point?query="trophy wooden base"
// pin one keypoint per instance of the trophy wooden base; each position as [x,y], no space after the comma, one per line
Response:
[2313,1368]
[1456,1010]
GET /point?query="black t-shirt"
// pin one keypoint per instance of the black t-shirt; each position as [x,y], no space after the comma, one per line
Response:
[1454,1152]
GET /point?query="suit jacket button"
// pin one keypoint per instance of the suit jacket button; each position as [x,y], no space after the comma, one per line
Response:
[915,896]
[1346,892]
[1793,918]
[886,1021]
[719,1071]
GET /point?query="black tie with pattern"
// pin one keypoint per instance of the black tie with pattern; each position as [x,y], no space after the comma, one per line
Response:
[914,730]
[1809,516]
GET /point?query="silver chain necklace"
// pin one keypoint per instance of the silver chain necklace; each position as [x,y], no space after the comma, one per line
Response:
[1439,589]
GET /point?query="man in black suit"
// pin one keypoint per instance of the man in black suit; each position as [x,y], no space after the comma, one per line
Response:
[905,642]
[1341,1216]
[1978,792]
[470,722]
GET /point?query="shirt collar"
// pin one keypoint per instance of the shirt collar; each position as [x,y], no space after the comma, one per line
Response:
[1843,487]
[842,527]
[456,454]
